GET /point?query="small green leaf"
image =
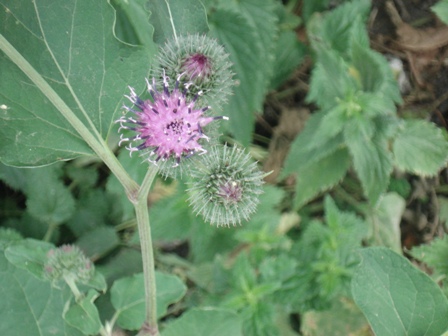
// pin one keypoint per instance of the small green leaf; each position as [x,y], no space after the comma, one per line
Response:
[128,296]
[372,162]
[84,315]
[205,322]
[321,175]
[30,255]
[441,9]
[385,221]
[396,297]
[420,148]
[172,18]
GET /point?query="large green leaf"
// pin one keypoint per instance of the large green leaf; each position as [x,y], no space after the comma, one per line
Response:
[205,322]
[73,47]
[173,18]
[239,38]
[30,306]
[420,148]
[396,297]
[128,298]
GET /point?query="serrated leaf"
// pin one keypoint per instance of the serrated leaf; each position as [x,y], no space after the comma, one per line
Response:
[240,41]
[73,47]
[83,315]
[320,175]
[338,29]
[13,177]
[128,296]
[385,221]
[372,162]
[205,322]
[441,9]
[396,297]
[289,53]
[434,255]
[331,80]
[30,306]
[375,74]
[302,154]
[173,18]
[420,148]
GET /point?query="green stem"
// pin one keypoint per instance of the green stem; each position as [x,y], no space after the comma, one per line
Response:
[97,145]
[51,228]
[144,230]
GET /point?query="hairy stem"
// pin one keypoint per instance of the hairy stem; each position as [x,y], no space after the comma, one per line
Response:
[144,229]
[98,145]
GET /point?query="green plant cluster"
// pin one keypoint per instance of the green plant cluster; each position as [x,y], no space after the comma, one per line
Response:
[334,266]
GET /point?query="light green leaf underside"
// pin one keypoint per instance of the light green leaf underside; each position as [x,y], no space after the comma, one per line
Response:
[72,46]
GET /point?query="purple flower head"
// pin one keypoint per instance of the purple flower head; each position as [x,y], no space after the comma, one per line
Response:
[197,66]
[169,126]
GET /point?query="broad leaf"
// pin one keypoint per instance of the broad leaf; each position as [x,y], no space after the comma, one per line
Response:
[205,322]
[396,297]
[73,47]
[420,148]
[29,254]
[128,298]
[30,306]
[172,18]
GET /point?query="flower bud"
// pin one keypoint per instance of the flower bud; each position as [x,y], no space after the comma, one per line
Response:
[204,65]
[226,184]
[68,262]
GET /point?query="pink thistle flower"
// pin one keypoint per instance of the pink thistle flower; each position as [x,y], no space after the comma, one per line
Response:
[169,125]
[197,66]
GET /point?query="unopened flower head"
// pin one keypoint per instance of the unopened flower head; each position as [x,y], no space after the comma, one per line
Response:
[167,127]
[204,64]
[226,186]
[68,262]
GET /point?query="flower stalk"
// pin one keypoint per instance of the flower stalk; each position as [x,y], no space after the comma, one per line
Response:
[144,229]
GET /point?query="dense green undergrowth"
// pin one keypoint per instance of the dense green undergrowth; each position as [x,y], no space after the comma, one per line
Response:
[322,259]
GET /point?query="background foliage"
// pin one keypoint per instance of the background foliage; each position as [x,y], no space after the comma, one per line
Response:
[323,254]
